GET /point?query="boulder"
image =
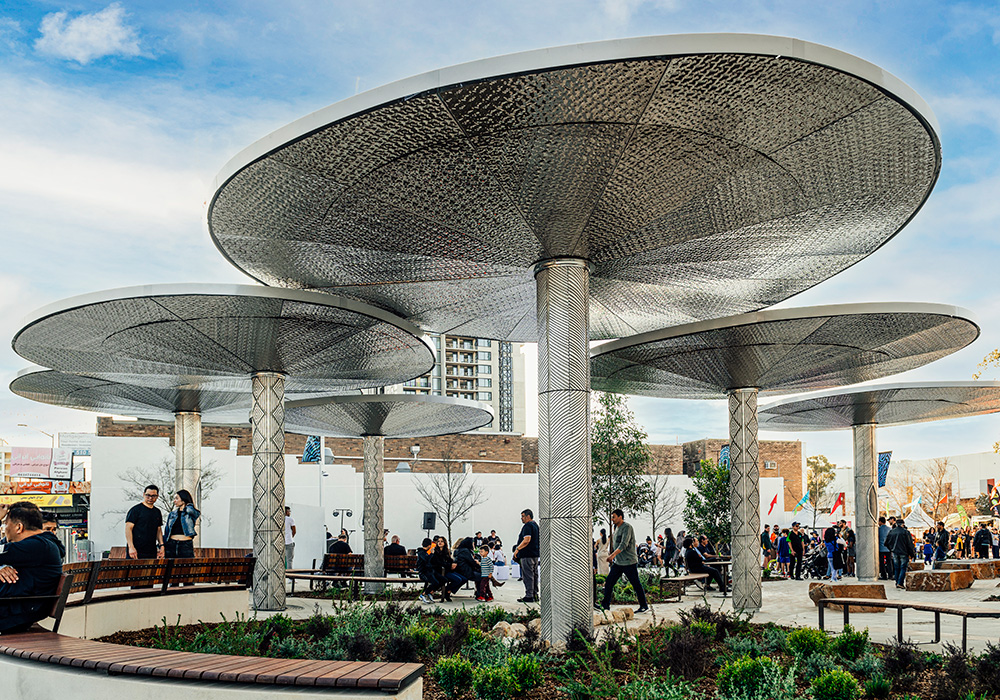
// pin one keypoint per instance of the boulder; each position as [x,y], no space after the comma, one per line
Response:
[915,566]
[501,629]
[629,613]
[618,615]
[981,569]
[517,630]
[819,590]
[939,580]
[535,624]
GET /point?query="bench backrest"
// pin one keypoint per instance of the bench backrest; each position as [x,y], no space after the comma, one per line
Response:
[400,563]
[339,563]
[199,552]
[156,574]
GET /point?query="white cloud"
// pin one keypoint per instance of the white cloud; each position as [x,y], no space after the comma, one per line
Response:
[622,10]
[88,36]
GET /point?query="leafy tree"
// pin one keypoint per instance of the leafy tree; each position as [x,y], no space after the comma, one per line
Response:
[819,476]
[984,506]
[619,458]
[452,494]
[706,510]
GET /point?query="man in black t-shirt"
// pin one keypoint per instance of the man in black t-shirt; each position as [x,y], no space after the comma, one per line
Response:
[797,547]
[527,553]
[30,565]
[144,527]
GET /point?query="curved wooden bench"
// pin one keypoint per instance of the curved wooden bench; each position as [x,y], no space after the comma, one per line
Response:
[120,659]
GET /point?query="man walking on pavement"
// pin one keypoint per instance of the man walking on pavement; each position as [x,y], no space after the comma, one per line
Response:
[527,553]
[900,543]
[624,562]
[942,543]
[797,545]
[289,538]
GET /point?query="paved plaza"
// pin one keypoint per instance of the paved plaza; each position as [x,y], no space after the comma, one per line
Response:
[784,603]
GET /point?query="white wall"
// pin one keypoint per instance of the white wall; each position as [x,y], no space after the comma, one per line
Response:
[308,494]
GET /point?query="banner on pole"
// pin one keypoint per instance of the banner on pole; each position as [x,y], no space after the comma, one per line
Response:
[312,451]
[724,456]
[883,467]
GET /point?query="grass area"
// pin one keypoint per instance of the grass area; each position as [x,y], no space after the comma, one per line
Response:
[708,655]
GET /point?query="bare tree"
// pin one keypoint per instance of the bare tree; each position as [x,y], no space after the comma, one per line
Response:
[136,479]
[901,484]
[666,503]
[934,484]
[452,494]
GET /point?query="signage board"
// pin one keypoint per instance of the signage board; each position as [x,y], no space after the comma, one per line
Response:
[41,500]
[79,443]
[30,462]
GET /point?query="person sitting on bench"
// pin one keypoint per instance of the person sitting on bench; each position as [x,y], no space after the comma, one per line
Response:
[30,565]
[427,571]
[695,564]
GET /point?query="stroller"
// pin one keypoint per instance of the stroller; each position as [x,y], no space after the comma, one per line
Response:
[814,564]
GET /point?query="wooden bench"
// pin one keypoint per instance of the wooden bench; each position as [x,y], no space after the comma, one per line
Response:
[119,659]
[402,564]
[354,581]
[53,605]
[677,585]
[199,552]
[964,611]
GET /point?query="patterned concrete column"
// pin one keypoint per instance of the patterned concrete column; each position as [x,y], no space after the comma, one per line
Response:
[267,426]
[564,500]
[373,450]
[866,502]
[187,453]
[744,498]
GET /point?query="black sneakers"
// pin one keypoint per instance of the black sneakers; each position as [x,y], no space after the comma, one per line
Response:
[643,609]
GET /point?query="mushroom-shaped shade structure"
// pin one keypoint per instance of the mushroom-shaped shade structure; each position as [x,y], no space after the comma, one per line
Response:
[219,337]
[374,418]
[864,408]
[588,191]
[782,351]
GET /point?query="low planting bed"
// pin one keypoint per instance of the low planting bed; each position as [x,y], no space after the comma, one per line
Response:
[708,655]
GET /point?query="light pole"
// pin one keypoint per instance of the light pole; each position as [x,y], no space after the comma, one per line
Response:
[342,512]
[51,436]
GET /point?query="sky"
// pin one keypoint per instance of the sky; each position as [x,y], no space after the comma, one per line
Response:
[115,118]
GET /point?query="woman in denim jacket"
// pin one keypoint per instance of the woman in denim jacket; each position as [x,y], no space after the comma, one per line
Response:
[179,532]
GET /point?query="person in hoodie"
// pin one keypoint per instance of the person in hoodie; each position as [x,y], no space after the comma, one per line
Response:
[427,570]
[30,565]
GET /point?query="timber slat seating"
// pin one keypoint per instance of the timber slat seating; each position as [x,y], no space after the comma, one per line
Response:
[199,552]
[119,659]
[964,611]
[156,576]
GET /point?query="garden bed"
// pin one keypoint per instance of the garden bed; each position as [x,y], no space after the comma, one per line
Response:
[707,655]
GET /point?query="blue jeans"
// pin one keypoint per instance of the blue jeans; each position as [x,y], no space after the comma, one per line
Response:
[899,563]
[829,560]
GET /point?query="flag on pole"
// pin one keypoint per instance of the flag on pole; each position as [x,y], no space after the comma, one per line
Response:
[774,502]
[801,504]
[883,467]
[944,499]
[965,516]
[312,450]
[724,456]
[912,504]
[839,503]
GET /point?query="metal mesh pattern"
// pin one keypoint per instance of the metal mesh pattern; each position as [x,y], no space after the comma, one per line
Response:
[187,454]
[699,185]
[216,341]
[781,351]
[895,404]
[744,498]
[100,395]
[385,415]
[268,438]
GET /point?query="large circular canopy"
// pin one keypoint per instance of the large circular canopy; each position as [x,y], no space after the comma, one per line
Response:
[782,351]
[388,415]
[701,175]
[219,405]
[891,404]
[216,336]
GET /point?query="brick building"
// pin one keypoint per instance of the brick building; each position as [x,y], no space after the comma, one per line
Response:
[493,453]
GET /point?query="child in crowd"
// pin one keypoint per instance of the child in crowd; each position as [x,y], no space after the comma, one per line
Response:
[497,555]
[427,572]
[784,553]
[483,592]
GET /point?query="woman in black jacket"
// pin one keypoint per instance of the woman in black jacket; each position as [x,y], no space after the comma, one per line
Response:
[446,568]
[694,561]
[466,565]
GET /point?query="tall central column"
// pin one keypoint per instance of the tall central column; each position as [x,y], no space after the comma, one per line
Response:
[267,427]
[744,498]
[187,453]
[374,463]
[564,480]
[865,502]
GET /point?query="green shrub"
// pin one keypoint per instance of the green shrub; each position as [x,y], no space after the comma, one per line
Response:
[773,639]
[750,678]
[806,641]
[318,626]
[681,651]
[525,672]
[493,683]
[491,616]
[660,689]
[878,688]
[424,637]
[816,665]
[726,624]
[903,663]
[705,629]
[850,644]
[835,685]
[867,666]
[986,669]
[453,674]
[744,646]
[401,649]
[483,649]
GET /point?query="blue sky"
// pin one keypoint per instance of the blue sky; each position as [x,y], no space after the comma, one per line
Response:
[114,118]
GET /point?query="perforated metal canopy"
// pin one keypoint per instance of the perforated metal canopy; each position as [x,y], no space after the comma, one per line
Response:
[214,337]
[891,404]
[782,350]
[386,415]
[701,175]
